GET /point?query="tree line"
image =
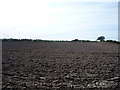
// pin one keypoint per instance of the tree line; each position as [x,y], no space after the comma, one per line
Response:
[101,39]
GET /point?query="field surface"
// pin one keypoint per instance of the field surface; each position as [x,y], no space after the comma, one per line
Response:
[59,65]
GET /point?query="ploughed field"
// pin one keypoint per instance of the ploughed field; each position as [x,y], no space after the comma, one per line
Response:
[59,65]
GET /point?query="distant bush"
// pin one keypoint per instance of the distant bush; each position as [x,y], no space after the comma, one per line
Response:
[75,40]
[112,41]
[85,40]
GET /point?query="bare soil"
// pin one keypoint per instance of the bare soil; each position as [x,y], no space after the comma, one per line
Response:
[60,65]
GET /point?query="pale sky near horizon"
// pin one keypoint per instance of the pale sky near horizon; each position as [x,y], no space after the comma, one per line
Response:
[59,19]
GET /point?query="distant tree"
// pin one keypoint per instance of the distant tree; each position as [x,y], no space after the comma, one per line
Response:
[101,38]
[75,40]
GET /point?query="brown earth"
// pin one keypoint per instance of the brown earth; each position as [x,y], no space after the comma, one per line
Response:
[59,65]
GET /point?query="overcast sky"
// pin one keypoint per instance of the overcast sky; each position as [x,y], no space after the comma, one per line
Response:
[59,19]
